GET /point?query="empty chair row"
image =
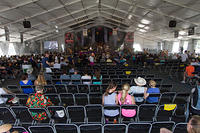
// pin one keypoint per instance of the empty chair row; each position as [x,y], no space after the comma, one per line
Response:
[90,114]
[70,99]
[81,88]
[108,128]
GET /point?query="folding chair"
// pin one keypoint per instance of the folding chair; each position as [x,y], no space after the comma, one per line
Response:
[76,81]
[104,87]
[180,128]
[83,89]
[95,89]
[157,125]
[22,98]
[57,119]
[166,88]
[66,128]
[56,81]
[39,111]
[117,81]
[13,88]
[22,114]
[94,113]
[19,129]
[163,115]
[86,81]
[147,112]
[126,81]
[181,98]
[67,99]
[125,119]
[139,127]
[112,108]
[54,98]
[153,95]
[81,99]
[91,128]
[27,87]
[66,81]
[7,116]
[115,128]
[95,98]
[167,97]
[76,114]
[72,89]
[50,89]
[7,97]
[61,88]
[41,129]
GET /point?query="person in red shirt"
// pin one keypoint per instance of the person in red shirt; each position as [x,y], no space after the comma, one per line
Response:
[188,72]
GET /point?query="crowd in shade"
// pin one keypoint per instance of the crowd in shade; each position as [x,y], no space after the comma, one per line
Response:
[42,65]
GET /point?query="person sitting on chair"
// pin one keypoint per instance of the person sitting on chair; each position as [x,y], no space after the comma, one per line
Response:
[38,100]
[188,72]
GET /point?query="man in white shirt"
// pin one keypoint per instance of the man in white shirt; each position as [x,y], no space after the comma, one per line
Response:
[184,57]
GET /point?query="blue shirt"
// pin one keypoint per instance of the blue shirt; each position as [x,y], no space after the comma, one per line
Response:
[44,60]
[27,90]
[153,99]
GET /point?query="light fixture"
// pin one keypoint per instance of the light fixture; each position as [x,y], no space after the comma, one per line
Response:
[182,32]
[180,37]
[146,27]
[142,30]
[57,30]
[129,16]
[56,26]
[144,21]
[141,25]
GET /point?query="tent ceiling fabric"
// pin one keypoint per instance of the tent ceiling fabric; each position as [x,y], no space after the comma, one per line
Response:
[70,15]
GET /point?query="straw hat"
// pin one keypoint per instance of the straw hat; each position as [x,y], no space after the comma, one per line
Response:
[140,81]
[5,128]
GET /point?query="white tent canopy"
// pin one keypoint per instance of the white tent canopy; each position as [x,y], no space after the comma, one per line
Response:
[148,18]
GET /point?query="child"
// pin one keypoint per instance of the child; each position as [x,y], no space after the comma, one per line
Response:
[110,98]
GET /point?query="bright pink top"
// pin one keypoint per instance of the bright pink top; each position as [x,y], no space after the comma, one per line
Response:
[128,101]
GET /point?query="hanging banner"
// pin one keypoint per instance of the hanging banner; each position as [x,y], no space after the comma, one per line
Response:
[69,38]
[129,37]
[114,32]
[85,32]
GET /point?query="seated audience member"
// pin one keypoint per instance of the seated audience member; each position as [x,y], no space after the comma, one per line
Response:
[125,99]
[38,100]
[98,76]
[86,76]
[4,100]
[151,90]
[24,81]
[76,76]
[40,80]
[6,128]
[30,75]
[139,89]
[188,72]
[63,63]
[193,126]
[110,98]
[57,65]
[64,75]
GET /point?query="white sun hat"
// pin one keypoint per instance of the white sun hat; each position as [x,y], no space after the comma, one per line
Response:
[140,81]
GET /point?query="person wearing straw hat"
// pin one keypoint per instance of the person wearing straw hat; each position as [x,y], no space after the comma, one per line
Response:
[139,89]
[5,128]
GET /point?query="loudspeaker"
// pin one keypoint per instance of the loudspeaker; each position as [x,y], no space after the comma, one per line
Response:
[27,24]
[172,23]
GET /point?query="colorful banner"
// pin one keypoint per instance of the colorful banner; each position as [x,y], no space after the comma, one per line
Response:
[69,38]
[129,37]
[85,32]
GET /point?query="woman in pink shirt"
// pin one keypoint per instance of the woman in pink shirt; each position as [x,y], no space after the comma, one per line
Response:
[125,99]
